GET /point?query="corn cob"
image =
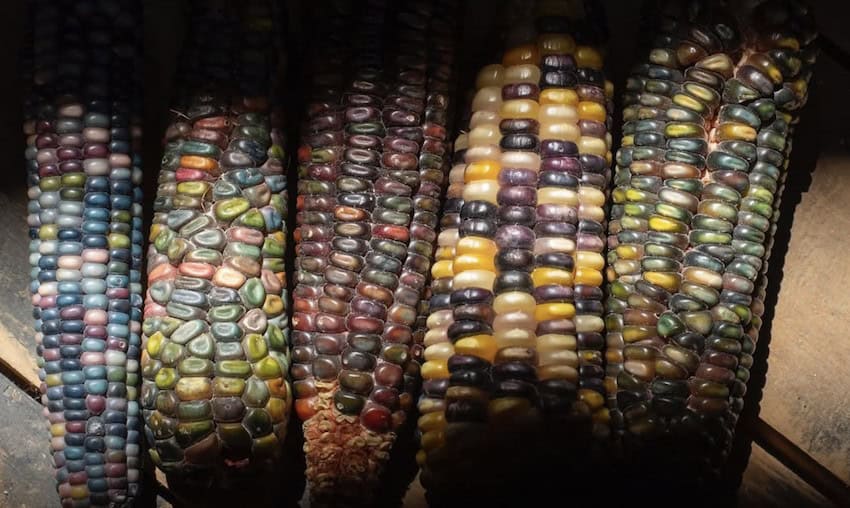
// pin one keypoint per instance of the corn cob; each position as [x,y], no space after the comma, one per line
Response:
[372,170]
[792,104]
[705,130]
[85,227]
[215,393]
[519,345]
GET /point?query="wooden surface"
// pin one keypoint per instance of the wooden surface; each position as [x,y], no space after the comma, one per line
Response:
[17,338]
[26,470]
[800,390]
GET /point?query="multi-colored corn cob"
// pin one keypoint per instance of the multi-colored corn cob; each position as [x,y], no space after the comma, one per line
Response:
[85,219]
[704,151]
[515,347]
[215,393]
[372,166]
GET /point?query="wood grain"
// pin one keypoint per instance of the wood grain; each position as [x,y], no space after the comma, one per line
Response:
[17,336]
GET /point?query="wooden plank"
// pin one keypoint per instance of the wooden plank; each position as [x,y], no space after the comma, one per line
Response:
[805,396]
[26,471]
[17,335]
[768,483]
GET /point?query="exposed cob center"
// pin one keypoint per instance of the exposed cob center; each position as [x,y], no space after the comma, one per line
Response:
[706,123]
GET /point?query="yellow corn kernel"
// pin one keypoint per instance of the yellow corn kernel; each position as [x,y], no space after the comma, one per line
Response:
[589,110]
[523,73]
[560,112]
[593,146]
[734,131]
[588,57]
[516,337]
[154,232]
[554,310]
[553,244]
[513,301]
[638,195]
[448,237]
[557,196]
[435,370]
[476,245]
[588,323]
[484,117]
[433,439]
[489,75]
[590,259]
[667,280]
[521,160]
[545,276]
[79,491]
[482,170]
[627,251]
[439,351]
[525,54]
[444,253]
[558,357]
[567,372]
[559,96]
[432,421]
[442,268]
[560,130]
[591,212]
[154,344]
[482,190]
[482,346]
[602,416]
[556,342]
[520,108]
[53,380]
[507,409]
[703,277]
[487,134]
[473,262]
[57,429]
[667,225]
[435,336]
[588,277]
[592,398]
[488,98]
[474,279]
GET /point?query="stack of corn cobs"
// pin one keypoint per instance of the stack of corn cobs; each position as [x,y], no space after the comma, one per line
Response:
[523,298]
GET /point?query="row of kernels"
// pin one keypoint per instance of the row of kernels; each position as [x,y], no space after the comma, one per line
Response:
[514,326]
[595,158]
[634,195]
[319,159]
[555,243]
